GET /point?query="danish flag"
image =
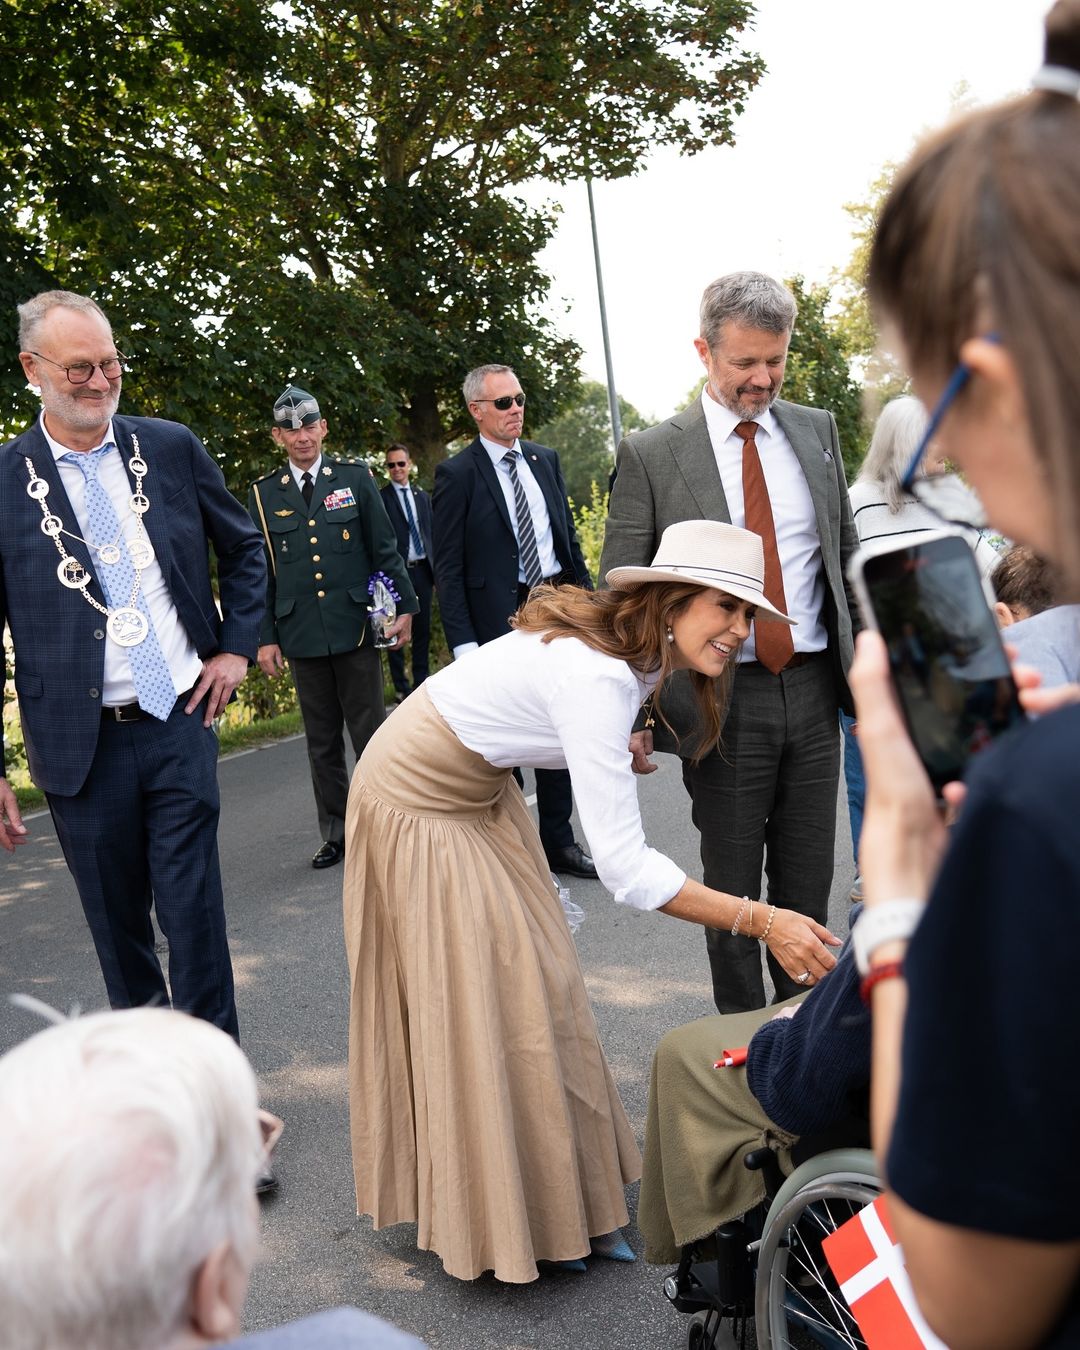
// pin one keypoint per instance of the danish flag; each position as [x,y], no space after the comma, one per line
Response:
[869,1267]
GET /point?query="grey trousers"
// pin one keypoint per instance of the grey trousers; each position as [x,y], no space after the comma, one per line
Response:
[344,690]
[768,798]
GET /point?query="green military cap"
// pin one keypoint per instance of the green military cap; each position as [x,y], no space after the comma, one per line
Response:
[295,408]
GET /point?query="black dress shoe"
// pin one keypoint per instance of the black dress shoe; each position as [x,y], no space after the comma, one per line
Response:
[266,1182]
[328,855]
[573,859]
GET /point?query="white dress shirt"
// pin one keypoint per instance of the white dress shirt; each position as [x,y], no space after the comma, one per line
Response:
[794,517]
[298,474]
[561,704]
[545,544]
[183,660]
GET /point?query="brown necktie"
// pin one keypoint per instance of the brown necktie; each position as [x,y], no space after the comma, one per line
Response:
[772,640]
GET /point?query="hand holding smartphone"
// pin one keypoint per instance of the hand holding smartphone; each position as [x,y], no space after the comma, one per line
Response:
[948,664]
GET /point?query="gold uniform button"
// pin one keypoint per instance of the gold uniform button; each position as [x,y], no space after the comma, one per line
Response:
[314,539]
[315,558]
[318,576]
[320,594]
[311,523]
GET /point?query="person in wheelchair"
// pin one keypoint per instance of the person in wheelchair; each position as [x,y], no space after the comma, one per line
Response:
[804,1088]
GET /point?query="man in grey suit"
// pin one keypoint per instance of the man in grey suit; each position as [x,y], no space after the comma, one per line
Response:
[767,795]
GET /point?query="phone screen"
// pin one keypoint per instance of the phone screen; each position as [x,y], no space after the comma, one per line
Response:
[948,664]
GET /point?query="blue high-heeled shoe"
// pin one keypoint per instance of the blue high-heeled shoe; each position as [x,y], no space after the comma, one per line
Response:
[613,1247]
[575,1267]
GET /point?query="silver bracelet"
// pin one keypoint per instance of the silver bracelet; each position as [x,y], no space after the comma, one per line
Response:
[738,917]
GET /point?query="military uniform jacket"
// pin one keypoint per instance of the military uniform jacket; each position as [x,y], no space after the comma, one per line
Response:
[321,558]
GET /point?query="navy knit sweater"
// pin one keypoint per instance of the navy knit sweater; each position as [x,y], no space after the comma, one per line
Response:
[811,1072]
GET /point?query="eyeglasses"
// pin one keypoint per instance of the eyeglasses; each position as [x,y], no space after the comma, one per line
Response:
[504,403]
[946,495]
[83,371]
[396,463]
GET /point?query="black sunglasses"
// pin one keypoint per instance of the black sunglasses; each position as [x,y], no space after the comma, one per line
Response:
[503,403]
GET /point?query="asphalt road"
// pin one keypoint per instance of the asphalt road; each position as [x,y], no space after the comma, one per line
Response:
[645,973]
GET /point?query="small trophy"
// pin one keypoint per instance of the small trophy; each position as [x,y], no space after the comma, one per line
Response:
[383,608]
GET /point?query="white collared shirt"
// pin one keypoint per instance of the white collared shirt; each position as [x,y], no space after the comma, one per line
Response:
[794,517]
[403,491]
[183,660]
[545,543]
[298,474]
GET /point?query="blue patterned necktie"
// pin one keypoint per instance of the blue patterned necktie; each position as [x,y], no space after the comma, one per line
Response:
[530,554]
[149,669]
[414,532]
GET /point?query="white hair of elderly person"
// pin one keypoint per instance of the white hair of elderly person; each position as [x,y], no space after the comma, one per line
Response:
[129,1148]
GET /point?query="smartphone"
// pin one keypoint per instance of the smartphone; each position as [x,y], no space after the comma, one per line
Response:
[948,664]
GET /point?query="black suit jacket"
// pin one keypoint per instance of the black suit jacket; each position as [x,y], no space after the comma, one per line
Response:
[59,639]
[476,552]
[422,506]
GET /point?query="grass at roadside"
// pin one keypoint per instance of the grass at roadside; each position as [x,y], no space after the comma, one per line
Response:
[231,737]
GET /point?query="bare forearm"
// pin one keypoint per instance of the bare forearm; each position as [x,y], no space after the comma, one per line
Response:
[700,904]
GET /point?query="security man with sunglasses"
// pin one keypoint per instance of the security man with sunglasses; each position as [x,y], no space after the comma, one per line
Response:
[409,509]
[502,525]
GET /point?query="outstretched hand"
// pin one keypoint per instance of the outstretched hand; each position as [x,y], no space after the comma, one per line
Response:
[801,945]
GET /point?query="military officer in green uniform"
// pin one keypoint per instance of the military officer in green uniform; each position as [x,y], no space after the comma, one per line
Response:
[327,535]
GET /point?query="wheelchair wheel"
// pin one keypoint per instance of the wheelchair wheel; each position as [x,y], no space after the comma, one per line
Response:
[797,1302]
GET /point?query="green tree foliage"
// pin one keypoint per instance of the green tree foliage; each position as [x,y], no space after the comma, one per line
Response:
[819,370]
[582,435]
[882,375]
[323,191]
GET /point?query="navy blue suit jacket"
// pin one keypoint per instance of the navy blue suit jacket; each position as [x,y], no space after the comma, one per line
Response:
[59,639]
[422,506]
[476,552]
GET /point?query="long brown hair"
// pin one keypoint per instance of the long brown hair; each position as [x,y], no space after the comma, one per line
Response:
[631,625]
[980,233]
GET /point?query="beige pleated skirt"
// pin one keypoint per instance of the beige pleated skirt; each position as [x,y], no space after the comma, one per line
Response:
[482,1107]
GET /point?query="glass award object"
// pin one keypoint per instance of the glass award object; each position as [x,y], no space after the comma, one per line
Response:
[383,611]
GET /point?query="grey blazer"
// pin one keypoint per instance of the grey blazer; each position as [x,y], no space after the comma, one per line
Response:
[668,473]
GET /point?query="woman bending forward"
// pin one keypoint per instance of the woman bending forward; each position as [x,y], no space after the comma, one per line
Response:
[481,1103]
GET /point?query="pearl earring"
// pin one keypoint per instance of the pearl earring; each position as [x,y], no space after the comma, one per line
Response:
[670,635]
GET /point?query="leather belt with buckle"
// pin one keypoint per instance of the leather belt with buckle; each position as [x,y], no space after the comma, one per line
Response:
[131,712]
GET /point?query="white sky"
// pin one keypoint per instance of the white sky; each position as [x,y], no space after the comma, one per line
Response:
[850,84]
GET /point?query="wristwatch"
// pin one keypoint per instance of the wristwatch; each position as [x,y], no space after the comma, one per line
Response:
[892,921]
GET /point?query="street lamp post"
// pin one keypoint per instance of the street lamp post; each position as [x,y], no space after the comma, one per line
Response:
[613,398]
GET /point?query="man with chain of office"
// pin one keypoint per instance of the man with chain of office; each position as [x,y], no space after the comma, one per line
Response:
[328,542]
[124,656]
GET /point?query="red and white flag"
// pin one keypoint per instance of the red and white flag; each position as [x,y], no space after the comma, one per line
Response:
[869,1267]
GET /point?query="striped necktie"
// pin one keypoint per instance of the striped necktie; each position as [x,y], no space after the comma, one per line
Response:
[530,554]
[414,530]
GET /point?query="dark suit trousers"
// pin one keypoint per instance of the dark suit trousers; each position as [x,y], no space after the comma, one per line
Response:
[768,797]
[336,691]
[143,829]
[424,584]
[554,794]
